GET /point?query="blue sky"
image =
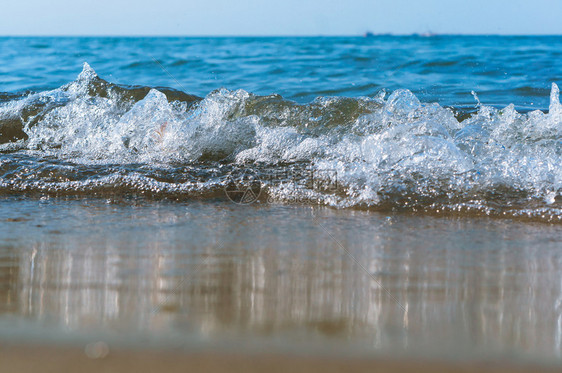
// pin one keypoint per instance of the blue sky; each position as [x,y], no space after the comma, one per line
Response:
[279,17]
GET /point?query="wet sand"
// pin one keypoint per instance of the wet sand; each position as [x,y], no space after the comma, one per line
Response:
[291,283]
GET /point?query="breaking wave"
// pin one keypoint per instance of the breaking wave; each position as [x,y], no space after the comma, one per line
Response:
[387,152]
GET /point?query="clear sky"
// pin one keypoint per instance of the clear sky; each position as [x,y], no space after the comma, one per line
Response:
[278,17]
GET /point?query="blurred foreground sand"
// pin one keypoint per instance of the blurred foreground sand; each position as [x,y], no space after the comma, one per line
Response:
[37,358]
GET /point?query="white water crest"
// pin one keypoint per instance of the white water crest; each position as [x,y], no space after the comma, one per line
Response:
[378,147]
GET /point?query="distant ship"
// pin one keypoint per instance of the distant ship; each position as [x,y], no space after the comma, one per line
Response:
[427,34]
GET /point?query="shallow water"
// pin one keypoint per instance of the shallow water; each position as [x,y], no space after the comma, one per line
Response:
[210,271]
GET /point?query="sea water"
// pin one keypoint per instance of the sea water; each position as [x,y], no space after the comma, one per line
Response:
[383,192]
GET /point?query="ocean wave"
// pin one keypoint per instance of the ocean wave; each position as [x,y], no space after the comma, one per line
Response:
[383,152]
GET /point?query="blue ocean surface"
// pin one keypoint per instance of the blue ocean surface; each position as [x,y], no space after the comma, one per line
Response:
[443,69]
[445,123]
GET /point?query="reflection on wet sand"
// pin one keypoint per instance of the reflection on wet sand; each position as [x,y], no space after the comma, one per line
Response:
[9,277]
[457,283]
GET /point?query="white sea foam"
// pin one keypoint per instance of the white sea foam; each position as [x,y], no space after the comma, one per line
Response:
[378,147]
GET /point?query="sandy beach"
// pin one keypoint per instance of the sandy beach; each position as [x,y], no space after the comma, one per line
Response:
[47,359]
[442,292]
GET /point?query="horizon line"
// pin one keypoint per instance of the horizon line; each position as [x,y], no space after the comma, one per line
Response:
[367,34]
